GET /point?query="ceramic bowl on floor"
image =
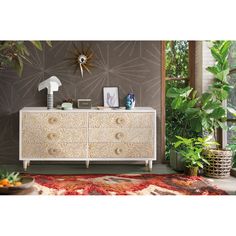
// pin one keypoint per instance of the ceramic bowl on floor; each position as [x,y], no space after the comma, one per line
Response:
[27,183]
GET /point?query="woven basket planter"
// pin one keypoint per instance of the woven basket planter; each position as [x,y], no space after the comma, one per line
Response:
[220,163]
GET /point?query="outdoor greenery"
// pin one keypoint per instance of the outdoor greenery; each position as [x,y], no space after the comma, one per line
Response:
[177,59]
[14,53]
[176,67]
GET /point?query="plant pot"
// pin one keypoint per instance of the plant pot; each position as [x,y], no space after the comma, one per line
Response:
[176,161]
[192,171]
[220,163]
[233,172]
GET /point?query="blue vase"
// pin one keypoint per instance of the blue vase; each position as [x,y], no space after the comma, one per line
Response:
[130,101]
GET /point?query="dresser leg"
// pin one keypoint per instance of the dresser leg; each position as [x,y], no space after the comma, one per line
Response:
[150,166]
[146,163]
[25,164]
[87,164]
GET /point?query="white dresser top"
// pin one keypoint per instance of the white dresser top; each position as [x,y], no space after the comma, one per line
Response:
[93,109]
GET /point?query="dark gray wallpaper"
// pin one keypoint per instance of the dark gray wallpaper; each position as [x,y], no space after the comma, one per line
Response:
[132,65]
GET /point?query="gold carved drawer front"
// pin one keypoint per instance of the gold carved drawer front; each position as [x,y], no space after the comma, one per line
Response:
[113,150]
[53,120]
[131,135]
[76,135]
[118,119]
[57,150]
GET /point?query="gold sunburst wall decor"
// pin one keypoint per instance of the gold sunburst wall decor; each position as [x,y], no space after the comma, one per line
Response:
[81,59]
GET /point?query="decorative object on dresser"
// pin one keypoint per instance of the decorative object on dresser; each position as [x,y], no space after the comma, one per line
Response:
[67,106]
[88,135]
[111,96]
[130,101]
[84,103]
[52,85]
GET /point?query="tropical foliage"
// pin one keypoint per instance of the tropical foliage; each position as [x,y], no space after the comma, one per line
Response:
[206,113]
[14,53]
[191,149]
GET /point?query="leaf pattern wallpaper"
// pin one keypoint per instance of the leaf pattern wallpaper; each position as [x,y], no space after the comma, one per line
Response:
[134,66]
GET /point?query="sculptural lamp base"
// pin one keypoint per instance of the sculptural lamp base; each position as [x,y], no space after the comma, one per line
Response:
[50,101]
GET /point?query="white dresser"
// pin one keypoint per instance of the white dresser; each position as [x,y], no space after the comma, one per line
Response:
[88,135]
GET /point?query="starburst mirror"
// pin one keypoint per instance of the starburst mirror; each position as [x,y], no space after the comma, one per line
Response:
[81,59]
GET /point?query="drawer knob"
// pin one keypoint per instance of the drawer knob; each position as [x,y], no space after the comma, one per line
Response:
[52,120]
[51,136]
[119,135]
[53,151]
[118,151]
[120,121]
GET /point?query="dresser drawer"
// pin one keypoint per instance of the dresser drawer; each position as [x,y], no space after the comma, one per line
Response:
[76,135]
[118,119]
[56,150]
[116,150]
[129,135]
[53,120]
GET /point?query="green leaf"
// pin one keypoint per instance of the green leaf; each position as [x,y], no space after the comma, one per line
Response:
[215,53]
[192,112]
[199,164]
[176,103]
[196,124]
[177,144]
[222,75]
[214,70]
[49,43]
[206,97]
[37,44]
[218,113]
[224,49]
[172,92]
[211,105]
[231,110]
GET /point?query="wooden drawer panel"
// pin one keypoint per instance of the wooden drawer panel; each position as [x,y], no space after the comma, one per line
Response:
[76,135]
[132,135]
[114,120]
[56,150]
[53,120]
[116,150]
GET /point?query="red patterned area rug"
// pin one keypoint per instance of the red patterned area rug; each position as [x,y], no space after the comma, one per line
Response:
[125,184]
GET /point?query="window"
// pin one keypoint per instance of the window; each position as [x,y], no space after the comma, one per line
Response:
[177,60]
[179,72]
[231,120]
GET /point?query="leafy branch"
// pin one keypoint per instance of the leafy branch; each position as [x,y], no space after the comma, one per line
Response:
[14,53]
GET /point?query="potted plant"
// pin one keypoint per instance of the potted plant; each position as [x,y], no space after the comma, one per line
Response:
[220,159]
[179,100]
[191,149]
[207,113]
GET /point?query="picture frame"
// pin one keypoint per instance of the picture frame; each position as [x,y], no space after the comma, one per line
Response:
[111,97]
